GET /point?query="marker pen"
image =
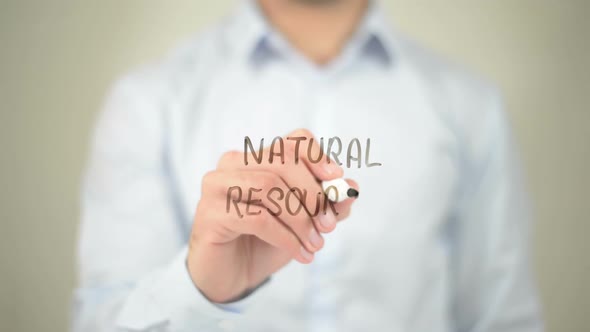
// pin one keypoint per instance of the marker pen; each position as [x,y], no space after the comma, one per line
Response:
[338,190]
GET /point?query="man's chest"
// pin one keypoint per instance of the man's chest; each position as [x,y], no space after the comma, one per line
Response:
[394,235]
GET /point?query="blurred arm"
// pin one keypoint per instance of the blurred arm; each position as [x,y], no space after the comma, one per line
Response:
[132,246]
[494,287]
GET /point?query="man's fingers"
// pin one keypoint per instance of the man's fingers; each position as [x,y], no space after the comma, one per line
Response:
[312,153]
[298,178]
[343,208]
[299,146]
[264,226]
[320,168]
[263,192]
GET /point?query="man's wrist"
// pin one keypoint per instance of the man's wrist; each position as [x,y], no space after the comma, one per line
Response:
[246,293]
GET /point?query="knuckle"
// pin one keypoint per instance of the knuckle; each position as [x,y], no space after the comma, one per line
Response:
[289,154]
[300,225]
[229,158]
[203,220]
[294,246]
[268,180]
[302,132]
[343,213]
[208,180]
[342,210]
[288,241]
[207,212]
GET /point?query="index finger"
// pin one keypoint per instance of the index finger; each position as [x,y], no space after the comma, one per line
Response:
[320,164]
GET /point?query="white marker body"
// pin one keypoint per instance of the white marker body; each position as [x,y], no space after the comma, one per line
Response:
[341,187]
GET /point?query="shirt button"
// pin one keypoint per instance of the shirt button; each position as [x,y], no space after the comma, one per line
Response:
[226,325]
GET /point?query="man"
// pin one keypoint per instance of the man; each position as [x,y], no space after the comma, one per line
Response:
[437,240]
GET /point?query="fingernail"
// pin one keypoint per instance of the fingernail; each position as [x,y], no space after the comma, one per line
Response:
[328,220]
[315,239]
[306,254]
[331,168]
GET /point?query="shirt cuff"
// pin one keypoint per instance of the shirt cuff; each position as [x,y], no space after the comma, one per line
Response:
[169,297]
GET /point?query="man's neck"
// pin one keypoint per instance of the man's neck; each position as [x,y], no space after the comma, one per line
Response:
[319,29]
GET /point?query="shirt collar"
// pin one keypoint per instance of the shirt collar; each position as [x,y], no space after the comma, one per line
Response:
[255,39]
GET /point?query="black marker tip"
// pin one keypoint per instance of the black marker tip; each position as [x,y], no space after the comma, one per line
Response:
[351,192]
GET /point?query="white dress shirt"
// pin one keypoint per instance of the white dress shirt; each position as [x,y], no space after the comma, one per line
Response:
[437,241]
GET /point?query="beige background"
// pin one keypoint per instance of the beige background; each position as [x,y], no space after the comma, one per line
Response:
[58,57]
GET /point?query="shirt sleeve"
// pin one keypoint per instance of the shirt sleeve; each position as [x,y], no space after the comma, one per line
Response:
[132,246]
[494,287]
[168,300]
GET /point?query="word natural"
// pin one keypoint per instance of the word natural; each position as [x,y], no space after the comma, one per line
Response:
[294,197]
[334,150]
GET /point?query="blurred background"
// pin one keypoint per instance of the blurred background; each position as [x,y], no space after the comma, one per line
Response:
[57,58]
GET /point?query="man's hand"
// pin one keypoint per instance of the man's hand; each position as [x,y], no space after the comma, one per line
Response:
[229,255]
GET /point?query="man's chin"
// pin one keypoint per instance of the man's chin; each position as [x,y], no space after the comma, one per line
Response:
[318,2]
